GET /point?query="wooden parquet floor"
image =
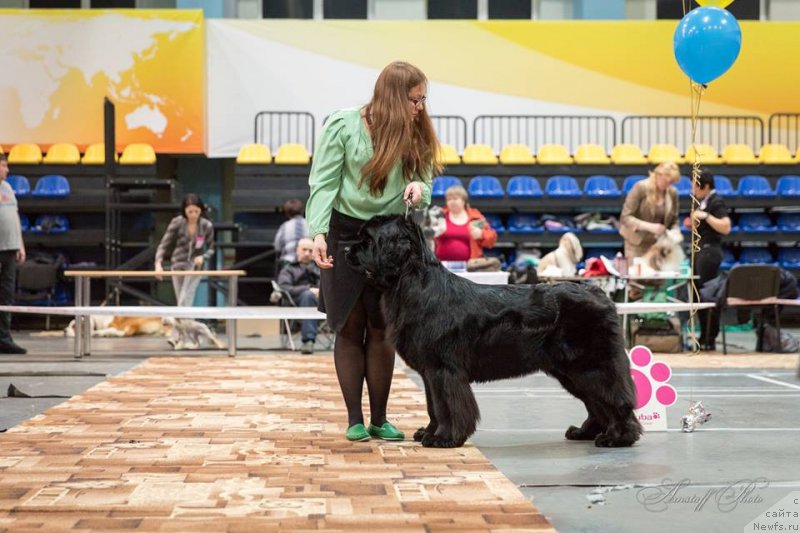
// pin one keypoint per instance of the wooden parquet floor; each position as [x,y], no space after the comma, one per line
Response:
[244,444]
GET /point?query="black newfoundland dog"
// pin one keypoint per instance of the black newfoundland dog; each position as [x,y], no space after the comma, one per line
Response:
[455,332]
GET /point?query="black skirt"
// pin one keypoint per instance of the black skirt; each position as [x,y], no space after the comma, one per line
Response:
[341,287]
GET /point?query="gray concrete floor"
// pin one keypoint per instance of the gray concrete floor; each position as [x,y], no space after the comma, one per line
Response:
[752,437]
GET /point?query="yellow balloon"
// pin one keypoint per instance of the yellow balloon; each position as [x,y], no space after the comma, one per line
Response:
[715,3]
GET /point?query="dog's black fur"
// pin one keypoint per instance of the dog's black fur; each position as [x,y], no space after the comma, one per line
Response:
[455,332]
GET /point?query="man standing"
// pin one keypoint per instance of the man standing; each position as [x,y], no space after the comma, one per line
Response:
[712,222]
[12,253]
[300,279]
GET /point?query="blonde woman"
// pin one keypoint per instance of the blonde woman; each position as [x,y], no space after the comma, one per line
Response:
[370,160]
[650,210]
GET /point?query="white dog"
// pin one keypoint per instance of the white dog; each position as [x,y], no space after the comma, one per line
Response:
[666,255]
[191,334]
[563,260]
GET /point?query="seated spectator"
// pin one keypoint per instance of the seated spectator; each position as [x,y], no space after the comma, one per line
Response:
[300,279]
[290,233]
[466,233]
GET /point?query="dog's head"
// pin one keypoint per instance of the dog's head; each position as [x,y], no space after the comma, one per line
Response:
[572,246]
[387,246]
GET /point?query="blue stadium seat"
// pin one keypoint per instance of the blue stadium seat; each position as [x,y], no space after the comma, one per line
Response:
[485,187]
[789,257]
[788,186]
[51,186]
[755,187]
[789,222]
[441,184]
[524,223]
[524,187]
[755,255]
[723,186]
[562,187]
[684,186]
[728,259]
[601,186]
[24,223]
[20,185]
[495,222]
[755,223]
[630,181]
[50,224]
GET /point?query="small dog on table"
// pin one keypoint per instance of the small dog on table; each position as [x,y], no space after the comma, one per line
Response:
[563,261]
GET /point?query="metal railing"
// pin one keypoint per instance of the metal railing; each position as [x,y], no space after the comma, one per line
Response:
[535,130]
[718,131]
[452,130]
[784,128]
[274,128]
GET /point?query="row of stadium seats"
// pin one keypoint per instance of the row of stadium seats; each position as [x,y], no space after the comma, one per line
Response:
[530,223]
[621,154]
[259,154]
[602,186]
[51,224]
[50,186]
[68,154]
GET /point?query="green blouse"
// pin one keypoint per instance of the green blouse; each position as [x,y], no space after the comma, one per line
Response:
[343,149]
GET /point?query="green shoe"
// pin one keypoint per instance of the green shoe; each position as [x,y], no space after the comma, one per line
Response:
[357,433]
[386,432]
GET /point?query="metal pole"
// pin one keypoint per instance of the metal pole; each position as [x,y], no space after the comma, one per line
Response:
[230,325]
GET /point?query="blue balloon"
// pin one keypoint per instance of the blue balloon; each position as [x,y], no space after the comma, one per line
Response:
[707,42]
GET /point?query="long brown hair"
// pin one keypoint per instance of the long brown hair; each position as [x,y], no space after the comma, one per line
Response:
[394,135]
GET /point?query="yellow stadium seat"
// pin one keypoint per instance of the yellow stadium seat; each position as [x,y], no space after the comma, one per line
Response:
[553,154]
[591,154]
[739,154]
[479,154]
[292,154]
[254,154]
[138,154]
[627,154]
[62,154]
[25,154]
[776,154]
[664,152]
[516,154]
[707,154]
[447,155]
[96,155]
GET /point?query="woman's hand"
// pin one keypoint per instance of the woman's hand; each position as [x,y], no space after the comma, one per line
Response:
[475,232]
[198,262]
[414,189]
[320,253]
[657,229]
[159,268]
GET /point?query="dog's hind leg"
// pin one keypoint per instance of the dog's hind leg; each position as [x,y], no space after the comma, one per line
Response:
[430,429]
[594,423]
[456,410]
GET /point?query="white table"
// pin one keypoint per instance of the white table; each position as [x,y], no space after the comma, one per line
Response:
[485,278]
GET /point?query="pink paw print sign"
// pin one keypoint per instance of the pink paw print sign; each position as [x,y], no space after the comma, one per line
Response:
[653,394]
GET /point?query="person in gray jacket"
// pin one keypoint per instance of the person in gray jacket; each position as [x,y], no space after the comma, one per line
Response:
[12,253]
[189,241]
[300,279]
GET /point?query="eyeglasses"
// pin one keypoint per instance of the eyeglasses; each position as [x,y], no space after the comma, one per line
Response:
[417,101]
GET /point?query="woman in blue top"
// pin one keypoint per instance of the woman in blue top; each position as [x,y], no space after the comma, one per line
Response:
[368,162]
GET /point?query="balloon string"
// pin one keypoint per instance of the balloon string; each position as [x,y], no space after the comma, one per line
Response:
[696,92]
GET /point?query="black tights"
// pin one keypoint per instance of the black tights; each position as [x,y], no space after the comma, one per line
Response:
[361,352]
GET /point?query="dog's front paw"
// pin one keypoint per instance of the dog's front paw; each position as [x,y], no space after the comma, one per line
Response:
[420,434]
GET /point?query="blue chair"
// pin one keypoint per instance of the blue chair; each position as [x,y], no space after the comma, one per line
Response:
[495,222]
[630,181]
[601,187]
[755,187]
[52,224]
[485,187]
[524,187]
[441,184]
[684,186]
[524,223]
[562,187]
[728,259]
[723,186]
[789,222]
[20,185]
[24,223]
[51,186]
[789,257]
[755,256]
[755,223]
[788,186]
